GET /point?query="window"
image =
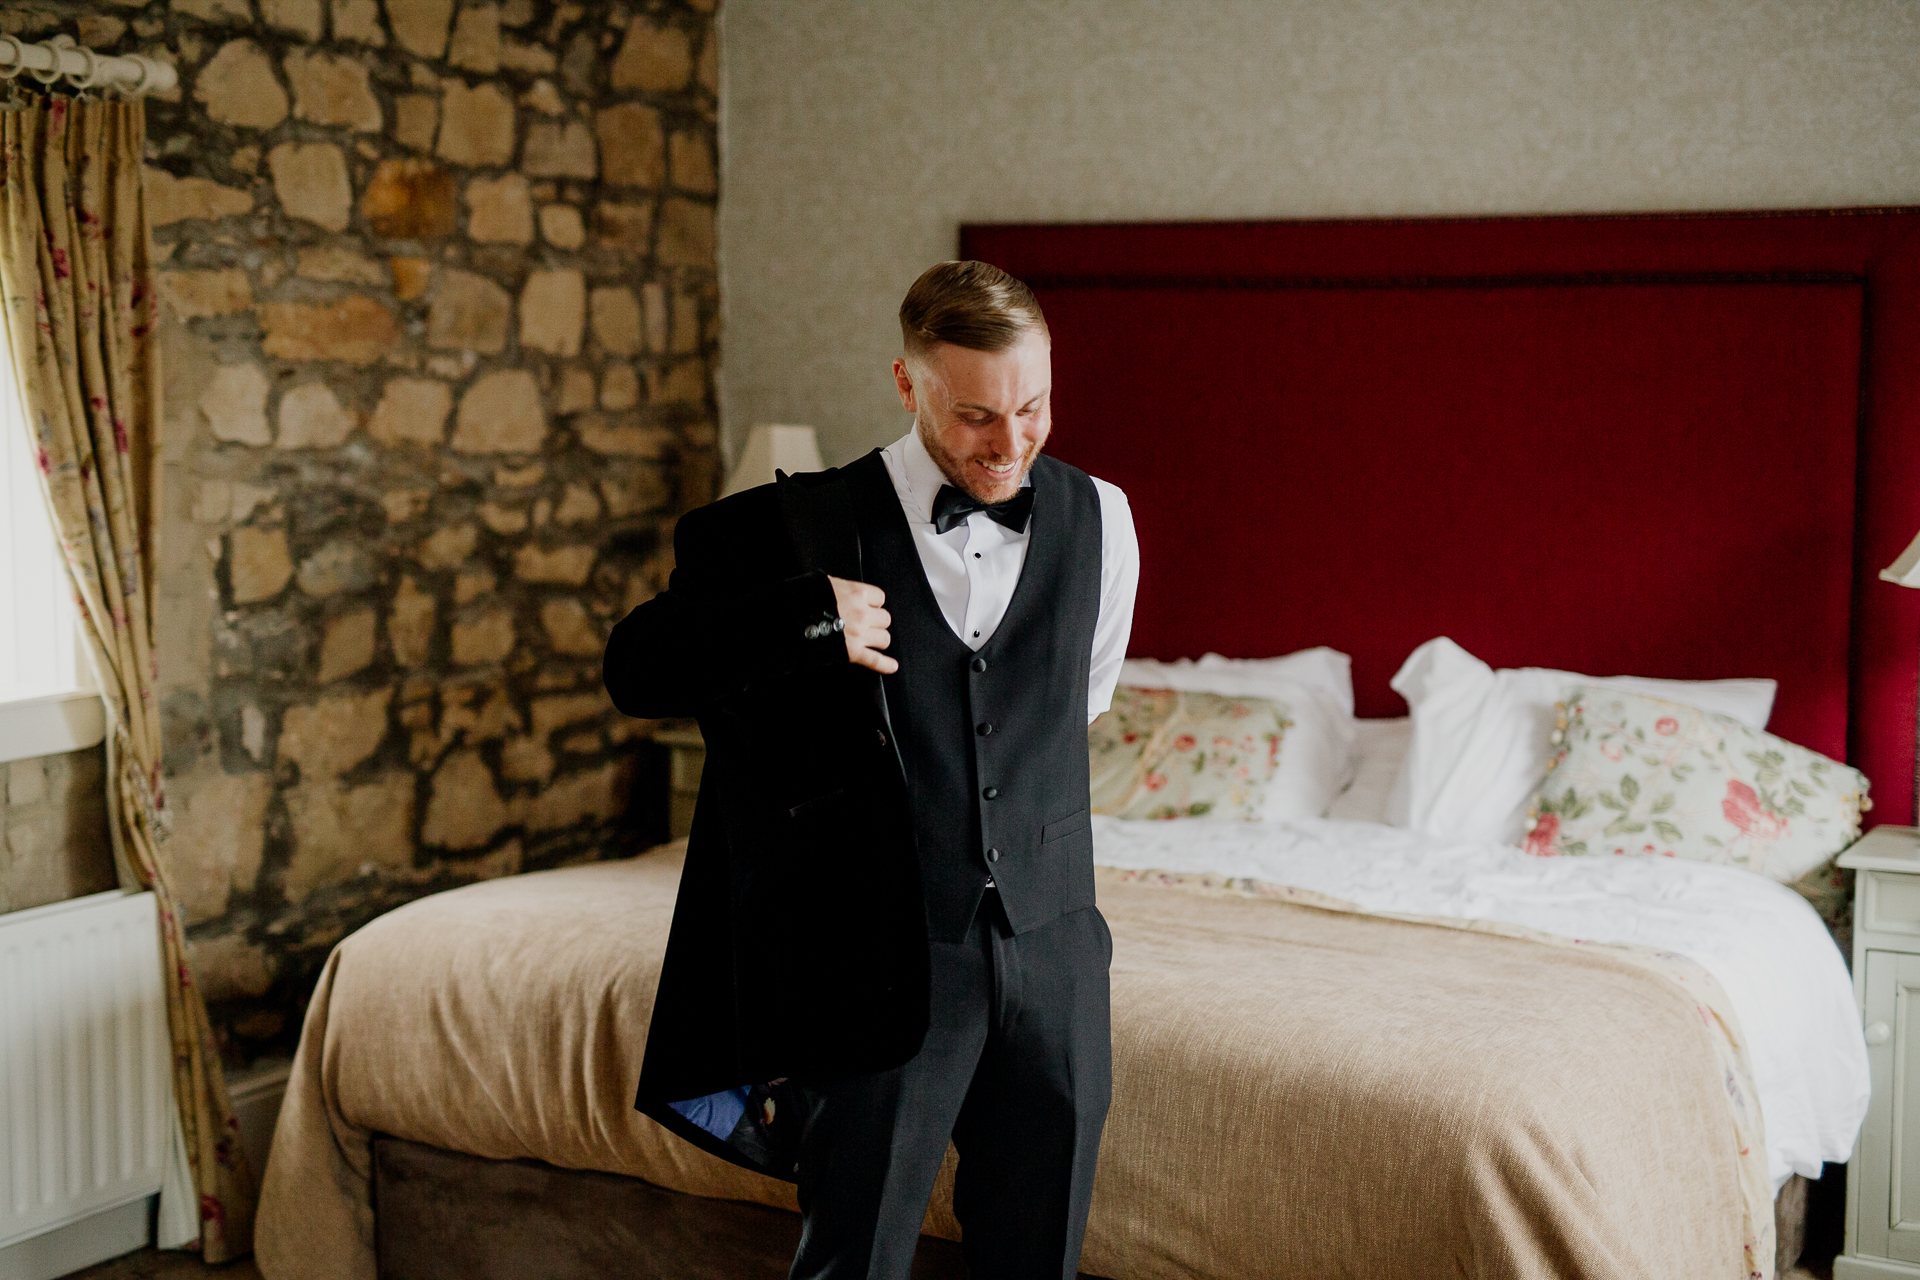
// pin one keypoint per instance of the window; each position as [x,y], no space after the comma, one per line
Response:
[47,703]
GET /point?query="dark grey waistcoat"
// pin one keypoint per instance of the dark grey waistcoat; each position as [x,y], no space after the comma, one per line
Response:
[994,742]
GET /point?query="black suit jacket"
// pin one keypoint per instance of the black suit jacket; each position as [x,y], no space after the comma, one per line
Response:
[799,941]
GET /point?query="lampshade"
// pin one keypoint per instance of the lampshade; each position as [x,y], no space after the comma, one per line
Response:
[1905,570]
[771,446]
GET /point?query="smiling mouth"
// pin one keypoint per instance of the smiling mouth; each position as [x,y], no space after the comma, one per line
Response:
[1000,469]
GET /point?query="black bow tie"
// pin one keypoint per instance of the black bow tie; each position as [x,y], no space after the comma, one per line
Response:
[951,506]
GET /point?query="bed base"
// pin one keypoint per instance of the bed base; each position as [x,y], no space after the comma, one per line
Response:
[445,1215]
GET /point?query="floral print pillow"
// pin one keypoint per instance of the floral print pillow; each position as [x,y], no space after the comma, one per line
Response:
[1165,753]
[1642,776]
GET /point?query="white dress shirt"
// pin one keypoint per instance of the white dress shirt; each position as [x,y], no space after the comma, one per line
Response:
[974,566]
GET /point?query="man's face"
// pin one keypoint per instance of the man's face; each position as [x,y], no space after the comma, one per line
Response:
[983,415]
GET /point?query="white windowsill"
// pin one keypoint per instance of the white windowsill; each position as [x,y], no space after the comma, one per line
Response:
[51,724]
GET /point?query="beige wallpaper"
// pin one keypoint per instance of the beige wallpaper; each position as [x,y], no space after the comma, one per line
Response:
[858,136]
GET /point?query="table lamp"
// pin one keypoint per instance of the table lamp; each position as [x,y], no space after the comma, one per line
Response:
[774,446]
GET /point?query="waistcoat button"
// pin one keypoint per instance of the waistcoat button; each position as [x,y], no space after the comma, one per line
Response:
[983,728]
[882,735]
[978,664]
[991,792]
[993,855]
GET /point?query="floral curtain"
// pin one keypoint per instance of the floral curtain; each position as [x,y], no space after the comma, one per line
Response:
[77,292]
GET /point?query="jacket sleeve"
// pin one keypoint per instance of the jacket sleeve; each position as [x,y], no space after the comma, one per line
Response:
[710,634]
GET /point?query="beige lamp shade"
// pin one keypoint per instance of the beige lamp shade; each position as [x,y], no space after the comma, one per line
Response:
[774,446]
[1905,570]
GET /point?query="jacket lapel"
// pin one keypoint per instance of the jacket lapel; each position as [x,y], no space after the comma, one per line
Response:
[820,522]
[819,513]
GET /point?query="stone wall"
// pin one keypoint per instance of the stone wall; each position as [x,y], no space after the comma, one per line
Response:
[441,320]
[54,843]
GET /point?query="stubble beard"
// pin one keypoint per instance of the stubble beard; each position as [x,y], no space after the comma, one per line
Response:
[965,478]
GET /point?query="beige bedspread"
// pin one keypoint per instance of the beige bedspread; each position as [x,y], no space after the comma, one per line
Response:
[1298,1091]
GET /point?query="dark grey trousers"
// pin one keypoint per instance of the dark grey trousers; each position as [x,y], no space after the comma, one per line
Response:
[1017,1069]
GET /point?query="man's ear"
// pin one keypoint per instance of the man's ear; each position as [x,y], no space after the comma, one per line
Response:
[903,383]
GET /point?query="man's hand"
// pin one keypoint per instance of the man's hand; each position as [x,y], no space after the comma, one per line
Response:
[866,630]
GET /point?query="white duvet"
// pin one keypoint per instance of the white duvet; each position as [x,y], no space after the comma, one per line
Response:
[1764,944]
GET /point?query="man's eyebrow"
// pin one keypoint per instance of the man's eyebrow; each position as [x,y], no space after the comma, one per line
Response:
[968,404]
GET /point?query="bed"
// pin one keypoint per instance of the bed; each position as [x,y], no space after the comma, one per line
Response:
[1688,441]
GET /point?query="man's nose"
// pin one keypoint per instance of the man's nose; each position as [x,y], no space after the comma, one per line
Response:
[1008,440]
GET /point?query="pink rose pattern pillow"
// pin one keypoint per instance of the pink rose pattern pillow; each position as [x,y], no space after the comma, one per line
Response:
[1165,753]
[1642,776]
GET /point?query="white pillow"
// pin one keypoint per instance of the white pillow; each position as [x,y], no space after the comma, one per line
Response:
[1379,750]
[1482,738]
[1320,668]
[1316,756]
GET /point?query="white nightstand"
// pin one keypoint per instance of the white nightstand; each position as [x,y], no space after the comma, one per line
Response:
[1883,1178]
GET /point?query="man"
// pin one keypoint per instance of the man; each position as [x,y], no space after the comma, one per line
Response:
[886,933]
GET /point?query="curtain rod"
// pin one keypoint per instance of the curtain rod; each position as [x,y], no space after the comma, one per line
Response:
[82,68]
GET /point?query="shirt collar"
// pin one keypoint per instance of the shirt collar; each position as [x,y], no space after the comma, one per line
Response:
[923,476]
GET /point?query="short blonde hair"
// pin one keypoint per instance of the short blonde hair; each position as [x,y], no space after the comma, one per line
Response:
[969,304]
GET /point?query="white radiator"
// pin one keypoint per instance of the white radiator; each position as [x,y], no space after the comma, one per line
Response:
[86,1091]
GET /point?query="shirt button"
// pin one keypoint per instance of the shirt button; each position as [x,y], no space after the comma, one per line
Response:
[993,855]
[991,793]
[983,728]
[978,664]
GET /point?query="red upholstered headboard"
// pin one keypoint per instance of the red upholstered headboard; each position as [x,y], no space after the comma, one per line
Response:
[1672,446]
